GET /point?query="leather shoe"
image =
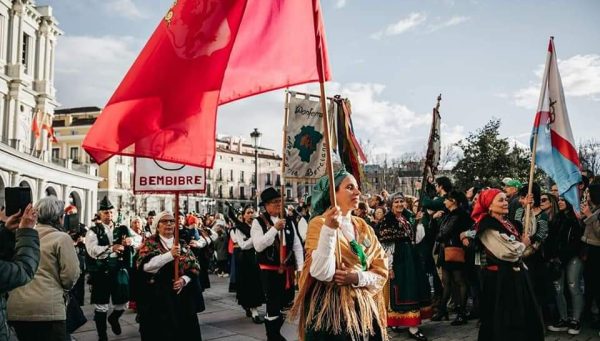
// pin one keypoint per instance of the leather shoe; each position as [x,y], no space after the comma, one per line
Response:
[417,336]
[258,319]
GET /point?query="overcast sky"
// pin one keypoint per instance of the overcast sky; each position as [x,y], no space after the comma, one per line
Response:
[390,58]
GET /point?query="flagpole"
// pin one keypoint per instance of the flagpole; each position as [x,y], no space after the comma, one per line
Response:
[176,234]
[284,158]
[323,100]
[535,138]
[436,111]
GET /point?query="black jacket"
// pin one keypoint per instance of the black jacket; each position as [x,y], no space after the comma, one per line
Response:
[18,271]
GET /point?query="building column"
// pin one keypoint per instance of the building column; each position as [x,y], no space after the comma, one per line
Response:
[14,178]
[65,194]
[41,183]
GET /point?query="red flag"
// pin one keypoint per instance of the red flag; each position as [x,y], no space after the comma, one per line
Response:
[35,123]
[205,53]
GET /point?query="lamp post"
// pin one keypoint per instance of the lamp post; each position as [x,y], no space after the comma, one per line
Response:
[255,135]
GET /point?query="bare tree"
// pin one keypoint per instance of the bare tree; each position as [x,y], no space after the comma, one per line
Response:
[589,155]
[449,156]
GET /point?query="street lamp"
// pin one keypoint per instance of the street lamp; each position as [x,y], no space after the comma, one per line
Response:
[255,135]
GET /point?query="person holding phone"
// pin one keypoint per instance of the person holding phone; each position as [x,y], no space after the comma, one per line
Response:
[110,253]
[20,268]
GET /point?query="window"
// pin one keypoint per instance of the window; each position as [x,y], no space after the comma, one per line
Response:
[220,175]
[242,193]
[55,153]
[231,175]
[288,193]
[74,154]
[278,182]
[208,190]
[220,191]
[268,179]
[243,160]
[25,53]
[231,158]
[242,176]
[231,192]
[119,179]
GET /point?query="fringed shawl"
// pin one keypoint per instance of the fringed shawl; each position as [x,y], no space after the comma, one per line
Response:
[325,306]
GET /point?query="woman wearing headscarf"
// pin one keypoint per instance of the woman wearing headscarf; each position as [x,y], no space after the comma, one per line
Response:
[167,308]
[508,307]
[407,292]
[345,301]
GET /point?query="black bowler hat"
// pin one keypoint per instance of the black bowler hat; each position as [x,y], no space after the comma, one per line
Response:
[152,213]
[105,204]
[269,194]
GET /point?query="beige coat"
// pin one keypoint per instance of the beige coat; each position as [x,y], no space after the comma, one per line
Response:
[591,235]
[43,299]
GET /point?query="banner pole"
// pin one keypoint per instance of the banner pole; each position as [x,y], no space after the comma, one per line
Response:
[527,227]
[282,187]
[176,234]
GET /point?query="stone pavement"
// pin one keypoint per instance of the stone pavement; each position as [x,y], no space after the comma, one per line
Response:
[224,320]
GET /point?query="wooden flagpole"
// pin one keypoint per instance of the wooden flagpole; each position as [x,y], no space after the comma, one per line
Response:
[323,99]
[436,110]
[282,178]
[527,227]
[176,234]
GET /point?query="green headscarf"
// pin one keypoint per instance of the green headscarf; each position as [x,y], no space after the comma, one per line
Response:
[319,201]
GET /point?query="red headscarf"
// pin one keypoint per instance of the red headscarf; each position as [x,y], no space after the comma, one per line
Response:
[192,219]
[482,205]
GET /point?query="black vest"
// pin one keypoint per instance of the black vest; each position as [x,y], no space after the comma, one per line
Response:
[124,260]
[270,255]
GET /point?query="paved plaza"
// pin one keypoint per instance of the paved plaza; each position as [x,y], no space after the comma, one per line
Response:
[224,320]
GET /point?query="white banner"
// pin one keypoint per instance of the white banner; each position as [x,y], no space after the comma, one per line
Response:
[153,176]
[305,154]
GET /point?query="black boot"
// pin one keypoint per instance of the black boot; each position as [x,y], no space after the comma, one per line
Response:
[273,328]
[113,320]
[100,319]
[461,318]
[439,315]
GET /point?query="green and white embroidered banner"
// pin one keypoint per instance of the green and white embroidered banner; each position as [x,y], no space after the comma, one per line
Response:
[305,156]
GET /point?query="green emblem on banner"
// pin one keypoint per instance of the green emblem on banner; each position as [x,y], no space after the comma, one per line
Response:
[306,142]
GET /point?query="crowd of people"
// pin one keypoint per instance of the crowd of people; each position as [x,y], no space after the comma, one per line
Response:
[359,269]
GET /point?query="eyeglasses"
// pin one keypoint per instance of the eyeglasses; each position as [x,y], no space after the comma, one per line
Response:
[167,221]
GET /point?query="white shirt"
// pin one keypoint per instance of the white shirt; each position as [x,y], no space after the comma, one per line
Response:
[323,264]
[261,240]
[157,262]
[245,243]
[102,252]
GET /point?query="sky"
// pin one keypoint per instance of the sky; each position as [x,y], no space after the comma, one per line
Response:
[390,58]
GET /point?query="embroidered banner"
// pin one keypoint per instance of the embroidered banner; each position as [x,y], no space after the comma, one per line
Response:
[305,155]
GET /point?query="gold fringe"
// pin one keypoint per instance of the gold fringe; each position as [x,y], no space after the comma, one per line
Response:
[339,309]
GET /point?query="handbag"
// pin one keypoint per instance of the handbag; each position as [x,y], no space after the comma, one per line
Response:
[75,316]
[454,254]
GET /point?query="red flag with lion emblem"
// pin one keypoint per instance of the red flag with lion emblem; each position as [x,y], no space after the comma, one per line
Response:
[205,53]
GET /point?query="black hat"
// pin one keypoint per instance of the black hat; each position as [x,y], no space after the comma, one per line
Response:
[105,204]
[151,213]
[268,195]
[594,194]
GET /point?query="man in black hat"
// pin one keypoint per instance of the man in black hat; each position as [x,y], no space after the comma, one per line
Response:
[109,250]
[279,253]
[149,219]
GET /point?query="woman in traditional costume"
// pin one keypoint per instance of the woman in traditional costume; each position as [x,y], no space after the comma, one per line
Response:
[249,288]
[341,302]
[169,307]
[408,294]
[509,310]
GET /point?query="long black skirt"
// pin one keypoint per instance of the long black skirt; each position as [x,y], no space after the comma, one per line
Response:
[249,288]
[509,310]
